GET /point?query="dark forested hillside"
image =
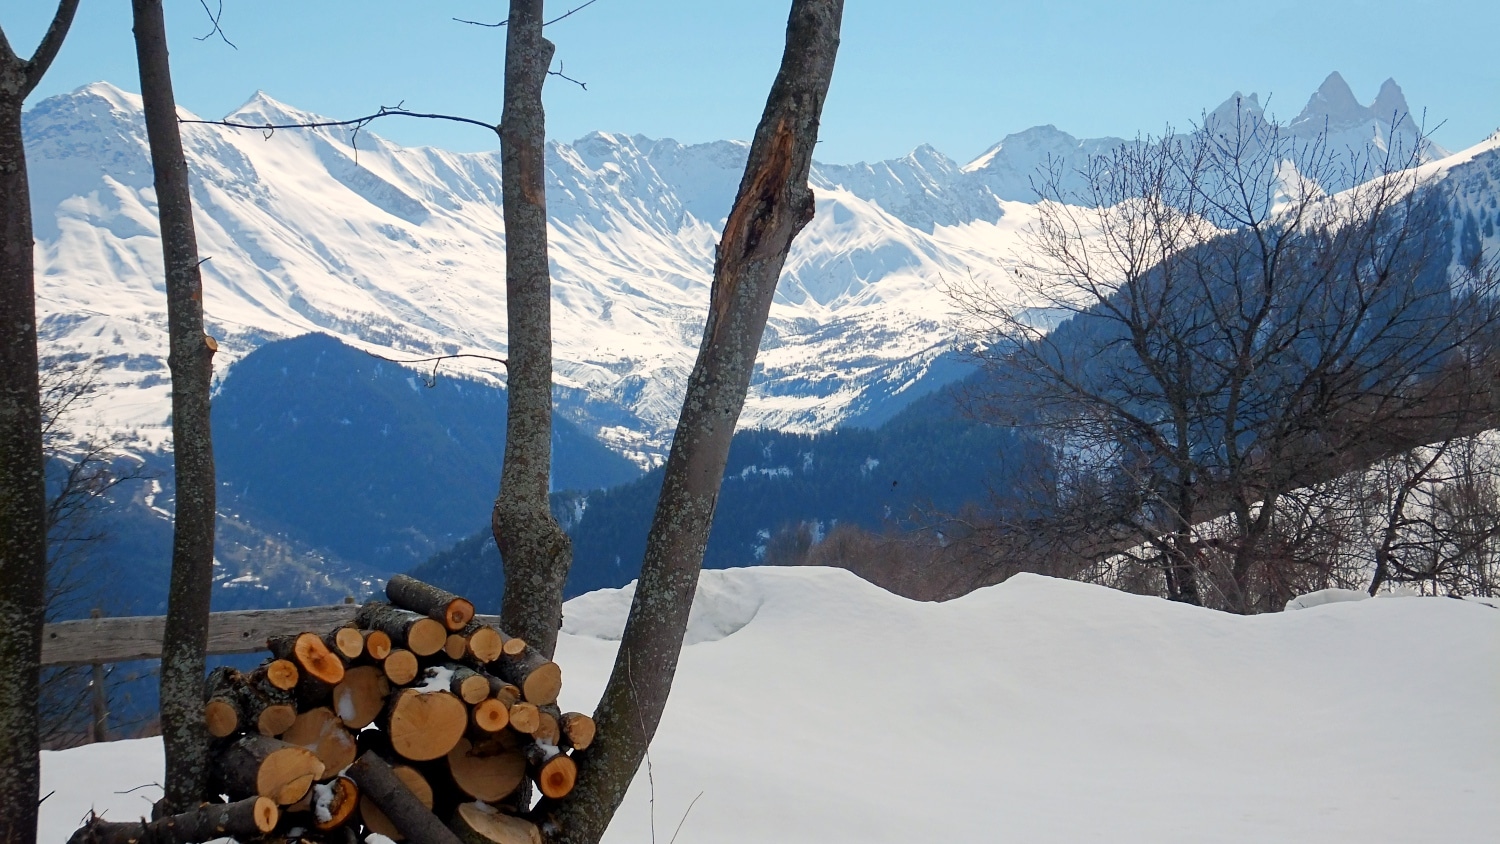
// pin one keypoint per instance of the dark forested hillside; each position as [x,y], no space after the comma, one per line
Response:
[361,457]
[929,458]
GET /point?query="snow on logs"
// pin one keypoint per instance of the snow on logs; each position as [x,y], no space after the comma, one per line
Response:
[417,721]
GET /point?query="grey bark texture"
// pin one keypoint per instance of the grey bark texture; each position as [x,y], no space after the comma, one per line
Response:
[535,551]
[190,359]
[209,821]
[23,493]
[774,203]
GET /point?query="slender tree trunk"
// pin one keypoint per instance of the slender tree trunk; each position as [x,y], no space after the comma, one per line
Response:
[190,359]
[773,205]
[23,491]
[535,552]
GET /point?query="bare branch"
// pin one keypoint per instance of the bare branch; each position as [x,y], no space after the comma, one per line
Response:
[357,122]
[431,380]
[568,13]
[214,18]
[559,74]
[51,43]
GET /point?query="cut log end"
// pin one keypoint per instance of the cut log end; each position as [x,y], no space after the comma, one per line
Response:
[487,771]
[282,674]
[470,686]
[456,646]
[485,644]
[287,773]
[221,717]
[556,777]
[338,806]
[348,642]
[514,647]
[320,731]
[426,637]
[377,644]
[525,717]
[276,719]
[425,726]
[359,699]
[491,715]
[265,814]
[401,666]
[579,728]
[543,684]
[477,824]
[458,613]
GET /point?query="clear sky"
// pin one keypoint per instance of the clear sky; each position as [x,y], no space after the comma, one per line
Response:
[958,74]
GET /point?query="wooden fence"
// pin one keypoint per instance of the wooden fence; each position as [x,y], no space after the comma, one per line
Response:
[94,641]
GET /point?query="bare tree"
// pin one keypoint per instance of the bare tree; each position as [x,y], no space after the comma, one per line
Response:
[1205,329]
[774,203]
[81,471]
[535,551]
[190,359]
[23,493]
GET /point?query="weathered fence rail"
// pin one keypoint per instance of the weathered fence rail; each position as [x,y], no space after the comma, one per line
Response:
[92,641]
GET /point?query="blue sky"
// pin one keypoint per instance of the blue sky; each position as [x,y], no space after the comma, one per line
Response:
[958,74]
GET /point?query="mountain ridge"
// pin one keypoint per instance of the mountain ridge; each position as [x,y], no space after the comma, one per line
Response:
[400,250]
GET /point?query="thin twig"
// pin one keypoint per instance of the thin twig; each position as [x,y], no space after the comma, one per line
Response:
[650,773]
[359,123]
[559,74]
[431,380]
[684,819]
[544,23]
[214,18]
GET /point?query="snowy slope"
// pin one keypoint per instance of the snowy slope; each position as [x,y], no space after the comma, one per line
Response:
[401,251]
[813,707]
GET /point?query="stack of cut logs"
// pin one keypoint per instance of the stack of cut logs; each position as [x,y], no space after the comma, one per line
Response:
[415,721]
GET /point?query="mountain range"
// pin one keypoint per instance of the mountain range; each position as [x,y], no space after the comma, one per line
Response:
[399,252]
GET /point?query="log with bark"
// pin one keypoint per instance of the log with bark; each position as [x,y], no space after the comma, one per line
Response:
[416,632]
[254,764]
[539,678]
[244,820]
[441,605]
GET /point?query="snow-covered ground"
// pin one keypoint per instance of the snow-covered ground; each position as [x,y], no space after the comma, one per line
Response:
[811,706]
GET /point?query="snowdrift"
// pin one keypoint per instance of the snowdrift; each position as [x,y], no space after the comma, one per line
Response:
[813,707]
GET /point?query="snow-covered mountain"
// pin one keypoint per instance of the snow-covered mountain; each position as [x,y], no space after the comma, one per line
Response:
[401,251]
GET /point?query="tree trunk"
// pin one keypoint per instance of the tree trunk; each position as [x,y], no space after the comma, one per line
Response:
[534,550]
[190,358]
[23,492]
[773,204]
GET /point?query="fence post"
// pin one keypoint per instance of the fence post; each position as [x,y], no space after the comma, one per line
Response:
[99,701]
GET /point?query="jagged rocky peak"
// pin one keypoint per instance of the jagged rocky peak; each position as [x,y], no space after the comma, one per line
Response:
[1239,107]
[1335,106]
[1390,103]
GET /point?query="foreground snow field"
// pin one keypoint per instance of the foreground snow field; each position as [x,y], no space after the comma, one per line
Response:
[813,707]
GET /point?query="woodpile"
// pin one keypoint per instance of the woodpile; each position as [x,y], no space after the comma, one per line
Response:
[415,721]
